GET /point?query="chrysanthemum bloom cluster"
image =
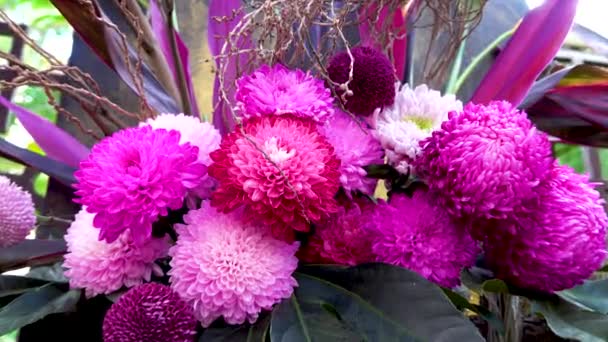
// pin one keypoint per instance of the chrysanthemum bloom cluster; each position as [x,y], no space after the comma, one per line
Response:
[200,134]
[281,169]
[485,161]
[226,267]
[277,90]
[558,245]
[342,239]
[356,147]
[418,233]
[414,116]
[17,214]
[100,267]
[152,313]
[134,176]
[372,83]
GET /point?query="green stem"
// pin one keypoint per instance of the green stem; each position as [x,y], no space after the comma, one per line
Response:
[475,62]
[451,86]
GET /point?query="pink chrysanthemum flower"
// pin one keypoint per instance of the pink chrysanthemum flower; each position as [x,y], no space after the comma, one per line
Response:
[558,245]
[417,233]
[485,161]
[225,267]
[200,134]
[152,313]
[342,239]
[356,147]
[277,90]
[17,214]
[133,177]
[281,169]
[372,83]
[100,267]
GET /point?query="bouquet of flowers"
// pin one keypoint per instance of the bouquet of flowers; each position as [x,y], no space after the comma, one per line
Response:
[324,202]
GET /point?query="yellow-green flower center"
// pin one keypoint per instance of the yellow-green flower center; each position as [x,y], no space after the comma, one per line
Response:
[423,123]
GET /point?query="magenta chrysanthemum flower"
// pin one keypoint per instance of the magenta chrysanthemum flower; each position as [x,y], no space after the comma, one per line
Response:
[200,134]
[282,170]
[100,267]
[277,90]
[17,214]
[225,267]
[152,313]
[373,81]
[356,147]
[133,177]
[419,234]
[485,161]
[557,246]
[342,239]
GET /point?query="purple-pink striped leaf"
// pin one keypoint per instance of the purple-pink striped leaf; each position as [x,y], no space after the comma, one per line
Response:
[532,47]
[163,31]
[398,27]
[55,142]
[230,12]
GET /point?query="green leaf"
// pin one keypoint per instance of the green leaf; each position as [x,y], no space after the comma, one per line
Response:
[31,253]
[592,295]
[35,305]
[371,302]
[569,321]
[12,285]
[462,303]
[257,332]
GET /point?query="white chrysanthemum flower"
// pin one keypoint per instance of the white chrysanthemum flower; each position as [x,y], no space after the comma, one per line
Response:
[413,117]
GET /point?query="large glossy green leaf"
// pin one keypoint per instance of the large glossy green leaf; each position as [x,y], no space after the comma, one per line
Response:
[592,295]
[257,332]
[371,302]
[569,321]
[31,253]
[35,305]
[12,285]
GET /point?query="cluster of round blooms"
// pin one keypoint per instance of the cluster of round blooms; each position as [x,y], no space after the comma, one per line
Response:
[296,164]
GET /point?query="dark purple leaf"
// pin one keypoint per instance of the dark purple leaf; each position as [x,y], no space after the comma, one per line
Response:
[572,104]
[54,141]
[54,169]
[31,253]
[532,47]
[162,31]
[231,13]
[88,22]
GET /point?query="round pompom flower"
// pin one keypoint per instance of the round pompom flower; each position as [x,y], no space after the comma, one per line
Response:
[413,117]
[100,267]
[342,239]
[225,267]
[373,82]
[277,90]
[356,147]
[200,134]
[557,246]
[17,214]
[152,313]
[282,170]
[134,176]
[417,233]
[486,161]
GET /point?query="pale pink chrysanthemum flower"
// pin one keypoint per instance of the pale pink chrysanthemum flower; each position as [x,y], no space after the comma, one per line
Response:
[200,134]
[17,213]
[227,268]
[277,90]
[100,267]
[356,147]
[413,117]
